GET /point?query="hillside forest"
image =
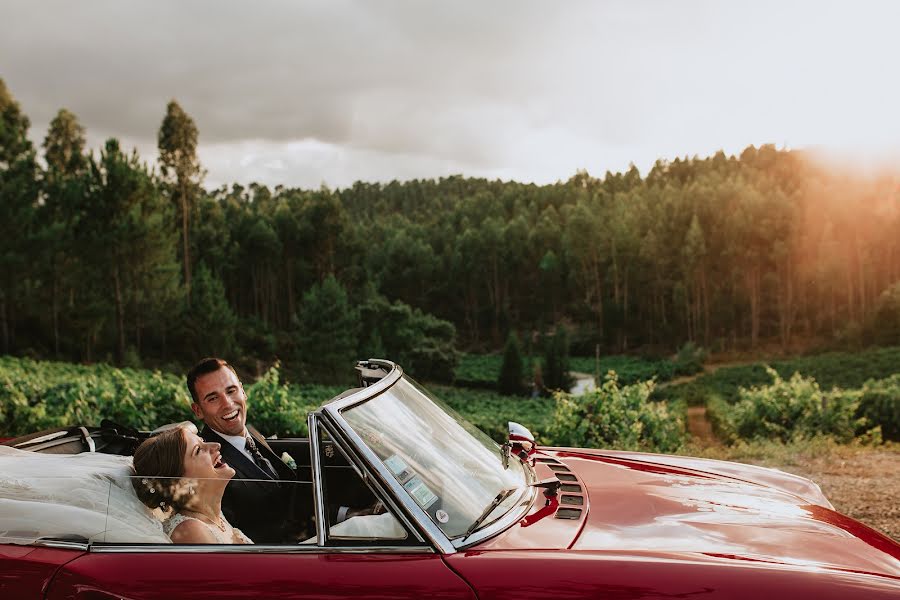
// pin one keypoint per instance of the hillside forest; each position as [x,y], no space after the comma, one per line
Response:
[104,257]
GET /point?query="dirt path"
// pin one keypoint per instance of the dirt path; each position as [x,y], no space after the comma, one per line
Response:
[700,428]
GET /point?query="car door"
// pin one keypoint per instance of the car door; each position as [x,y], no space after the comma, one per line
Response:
[313,573]
[380,556]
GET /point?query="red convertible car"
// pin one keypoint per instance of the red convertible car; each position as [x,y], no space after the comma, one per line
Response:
[466,518]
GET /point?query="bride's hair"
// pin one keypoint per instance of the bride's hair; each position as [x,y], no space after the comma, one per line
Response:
[158,463]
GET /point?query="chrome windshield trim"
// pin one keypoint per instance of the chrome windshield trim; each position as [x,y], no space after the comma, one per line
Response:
[364,474]
[369,392]
[331,414]
[312,421]
[254,549]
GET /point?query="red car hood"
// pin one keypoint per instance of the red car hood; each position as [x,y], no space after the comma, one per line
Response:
[712,510]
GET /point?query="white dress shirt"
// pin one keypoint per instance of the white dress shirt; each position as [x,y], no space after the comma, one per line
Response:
[239,442]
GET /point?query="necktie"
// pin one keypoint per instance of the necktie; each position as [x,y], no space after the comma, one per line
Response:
[260,460]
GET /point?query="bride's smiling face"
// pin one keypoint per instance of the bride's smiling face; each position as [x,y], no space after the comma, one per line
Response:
[202,460]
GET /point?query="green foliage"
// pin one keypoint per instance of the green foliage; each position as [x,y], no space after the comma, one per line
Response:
[491,412]
[210,320]
[328,329]
[879,405]
[512,378]
[614,416]
[710,249]
[37,395]
[421,343]
[555,366]
[40,395]
[832,369]
[483,370]
[690,359]
[789,409]
[884,324]
[275,409]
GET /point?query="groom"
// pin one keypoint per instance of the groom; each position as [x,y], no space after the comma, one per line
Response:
[259,508]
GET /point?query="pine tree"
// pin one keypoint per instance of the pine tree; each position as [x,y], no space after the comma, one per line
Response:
[179,163]
[556,361]
[65,185]
[211,321]
[328,329]
[512,369]
[18,196]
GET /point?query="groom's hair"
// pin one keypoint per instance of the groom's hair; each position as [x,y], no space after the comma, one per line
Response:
[204,367]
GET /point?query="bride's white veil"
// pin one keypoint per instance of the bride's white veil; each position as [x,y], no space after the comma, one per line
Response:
[86,495]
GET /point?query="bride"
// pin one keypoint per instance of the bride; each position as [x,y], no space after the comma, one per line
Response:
[177,469]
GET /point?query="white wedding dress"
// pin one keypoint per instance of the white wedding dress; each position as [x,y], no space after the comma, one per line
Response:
[79,496]
[231,535]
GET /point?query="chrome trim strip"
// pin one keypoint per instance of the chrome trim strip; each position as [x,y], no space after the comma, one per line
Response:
[49,444]
[43,438]
[256,549]
[316,468]
[369,392]
[331,414]
[372,481]
[61,544]
[92,447]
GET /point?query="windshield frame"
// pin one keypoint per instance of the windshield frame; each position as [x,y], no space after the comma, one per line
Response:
[331,413]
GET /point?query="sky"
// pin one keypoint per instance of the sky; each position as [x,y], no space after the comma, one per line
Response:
[304,93]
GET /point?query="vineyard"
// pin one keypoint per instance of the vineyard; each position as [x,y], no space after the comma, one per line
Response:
[39,395]
[743,403]
[483,370]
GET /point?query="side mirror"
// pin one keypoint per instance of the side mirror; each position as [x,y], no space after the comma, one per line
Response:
[521,441]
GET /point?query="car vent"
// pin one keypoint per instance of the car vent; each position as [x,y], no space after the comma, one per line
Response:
[547,459]
[571,488]
[568,513]
[558,468]
[572,500]
[566,477]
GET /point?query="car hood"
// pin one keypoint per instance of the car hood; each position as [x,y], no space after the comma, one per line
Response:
[659,504]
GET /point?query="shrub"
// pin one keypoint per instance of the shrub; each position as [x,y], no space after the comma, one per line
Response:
[690,359]
[879,405]
[789,409]
[616,417]
[512,380]
[274,408]
[556,361]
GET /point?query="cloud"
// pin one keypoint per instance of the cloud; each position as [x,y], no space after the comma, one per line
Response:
[338,90]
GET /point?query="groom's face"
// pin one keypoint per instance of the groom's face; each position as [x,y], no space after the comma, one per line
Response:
[221,402]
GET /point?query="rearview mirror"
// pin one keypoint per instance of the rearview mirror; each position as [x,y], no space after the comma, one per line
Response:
[521,441]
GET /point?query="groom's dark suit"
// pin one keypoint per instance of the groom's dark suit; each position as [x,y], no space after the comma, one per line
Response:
[263,510]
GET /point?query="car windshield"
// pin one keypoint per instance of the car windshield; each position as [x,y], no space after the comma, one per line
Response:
[449,467]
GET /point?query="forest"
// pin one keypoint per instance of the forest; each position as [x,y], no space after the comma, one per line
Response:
[105,257]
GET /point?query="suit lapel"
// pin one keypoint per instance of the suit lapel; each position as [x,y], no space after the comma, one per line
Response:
[284,472]
[238,461]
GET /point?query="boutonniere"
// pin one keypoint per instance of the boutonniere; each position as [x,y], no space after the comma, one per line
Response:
[288,460]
